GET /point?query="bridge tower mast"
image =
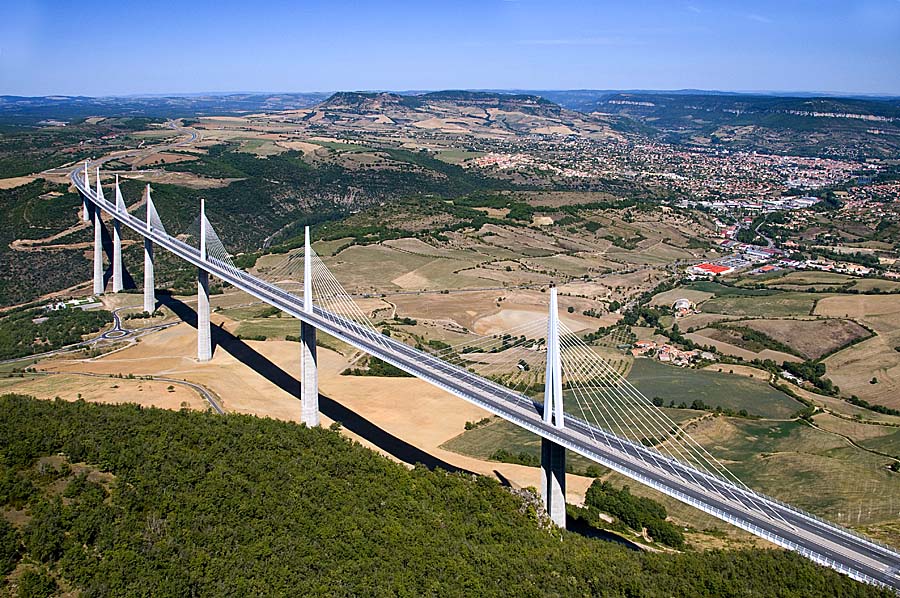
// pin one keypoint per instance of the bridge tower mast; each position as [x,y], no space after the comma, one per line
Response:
[85,204]
[99,287]
[309,374]
[117,241]
[204,343]
[553,456]
[149,281]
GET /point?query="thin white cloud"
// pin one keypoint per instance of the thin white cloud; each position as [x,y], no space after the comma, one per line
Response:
[758,18]
[576,41]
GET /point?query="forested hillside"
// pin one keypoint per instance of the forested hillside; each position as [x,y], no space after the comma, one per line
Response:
[123,501]
[33,211]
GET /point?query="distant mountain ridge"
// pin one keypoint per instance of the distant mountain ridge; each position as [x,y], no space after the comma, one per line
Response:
[24,108]
[826,125]
[30,110]
[376,101]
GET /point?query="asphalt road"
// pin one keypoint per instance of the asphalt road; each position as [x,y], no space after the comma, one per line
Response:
[203,392]
[820,541]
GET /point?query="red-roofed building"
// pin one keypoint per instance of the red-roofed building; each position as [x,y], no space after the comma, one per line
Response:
[710,269]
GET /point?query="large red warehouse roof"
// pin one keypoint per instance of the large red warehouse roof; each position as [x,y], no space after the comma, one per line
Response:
[713,268]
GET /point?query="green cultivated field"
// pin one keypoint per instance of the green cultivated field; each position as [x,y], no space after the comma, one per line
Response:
[721,290]
[809,468]
[671,383]
[343,147]
[457,156]
[810,278]
[271,328]
[327,248]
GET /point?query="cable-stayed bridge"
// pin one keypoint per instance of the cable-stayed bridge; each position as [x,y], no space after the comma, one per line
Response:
[612,423]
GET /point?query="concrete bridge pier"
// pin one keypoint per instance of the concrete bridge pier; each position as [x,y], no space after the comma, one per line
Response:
[149,281]
[117,257]
[99,287]
[553,481]
[309,376]
[204,340]
[117,284]
[149,290]
[553,456]
[309,373]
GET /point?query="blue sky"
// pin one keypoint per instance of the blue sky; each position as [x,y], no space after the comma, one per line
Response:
[94,47]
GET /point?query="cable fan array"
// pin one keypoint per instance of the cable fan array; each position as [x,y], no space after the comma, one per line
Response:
[152,215]
[601,396]
[333,302]
[595,392]
[514,358]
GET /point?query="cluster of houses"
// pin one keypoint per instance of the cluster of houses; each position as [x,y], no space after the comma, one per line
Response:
[84,303]
[666,353]
[830,266]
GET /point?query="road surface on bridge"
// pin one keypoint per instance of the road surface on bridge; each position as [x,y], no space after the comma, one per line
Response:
[781,524]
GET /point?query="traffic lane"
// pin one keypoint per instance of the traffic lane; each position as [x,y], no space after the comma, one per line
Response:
[775,528]
[701,495]
[292,302]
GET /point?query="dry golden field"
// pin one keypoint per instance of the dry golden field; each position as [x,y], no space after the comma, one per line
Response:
[870,369]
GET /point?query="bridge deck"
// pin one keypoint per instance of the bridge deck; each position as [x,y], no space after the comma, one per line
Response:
[820,541]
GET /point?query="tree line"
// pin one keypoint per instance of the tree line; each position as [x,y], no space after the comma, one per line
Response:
[129,501]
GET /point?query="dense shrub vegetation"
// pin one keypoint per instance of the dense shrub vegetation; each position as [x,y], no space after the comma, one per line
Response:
[31,331]
[637,512]
[204,505]
[34,211]
[814,372]
[377,367]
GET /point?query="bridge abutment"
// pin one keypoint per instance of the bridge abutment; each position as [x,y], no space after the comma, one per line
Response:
[553,456]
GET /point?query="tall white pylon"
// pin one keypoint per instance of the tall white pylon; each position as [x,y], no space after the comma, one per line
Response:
[149,281]
[307,273]
[117,241]
[309,374]
[85,204]
[553,396]
[99,287]
[204,340]
[553,456]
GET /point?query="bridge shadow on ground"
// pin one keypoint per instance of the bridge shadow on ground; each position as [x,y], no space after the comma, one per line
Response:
[354,422]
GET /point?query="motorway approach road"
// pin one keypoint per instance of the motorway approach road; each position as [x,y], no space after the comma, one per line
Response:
[820,541]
